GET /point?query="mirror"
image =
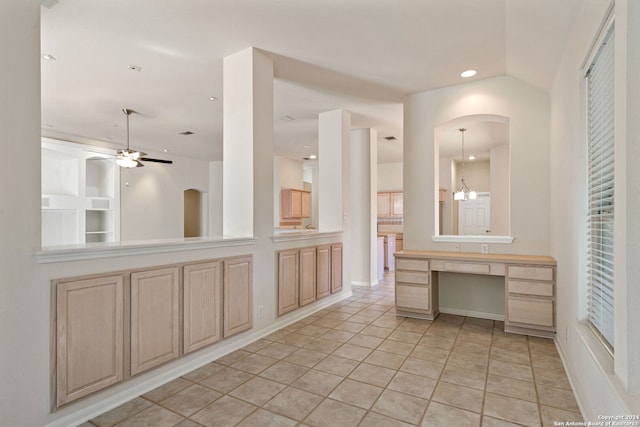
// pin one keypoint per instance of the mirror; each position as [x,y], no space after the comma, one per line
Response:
[485,170]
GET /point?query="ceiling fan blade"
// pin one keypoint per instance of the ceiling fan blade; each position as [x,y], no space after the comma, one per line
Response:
[149,159]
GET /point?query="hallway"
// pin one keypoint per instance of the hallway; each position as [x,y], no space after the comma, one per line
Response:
[356,363]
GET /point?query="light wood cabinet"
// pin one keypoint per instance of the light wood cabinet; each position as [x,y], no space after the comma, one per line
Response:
[383,204]
[390,204]
[295,204]
[155,322]
[288,282]
[529,285]
[237,295]
[307,275]
[109,327]
[202,310]
[336,267]
[530,299]
[89,336]
[323,271]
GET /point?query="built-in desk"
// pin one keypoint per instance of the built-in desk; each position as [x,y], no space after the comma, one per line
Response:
[529,285]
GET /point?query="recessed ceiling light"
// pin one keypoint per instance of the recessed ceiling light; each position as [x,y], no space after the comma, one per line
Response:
[313,156]
[134,67]
[165,150]
[48,57]
[468,73]
[213,98]
[307,146]
[472,157]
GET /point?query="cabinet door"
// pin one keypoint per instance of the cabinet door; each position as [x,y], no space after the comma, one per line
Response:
[202,296]
[237,295]
[287,281]
[323,271]
[336,267]
[155,322]
[89,336]
[396,204]
[305,210]
[307,275]
[383,208]
[532,312]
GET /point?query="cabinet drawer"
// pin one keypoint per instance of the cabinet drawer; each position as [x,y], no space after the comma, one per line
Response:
[413,297]
[418,277]
[531,311]
[533,273]
[412,264]
[543,289]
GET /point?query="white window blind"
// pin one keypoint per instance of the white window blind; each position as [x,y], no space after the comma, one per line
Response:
[600,139]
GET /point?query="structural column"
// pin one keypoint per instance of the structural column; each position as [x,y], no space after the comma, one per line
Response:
[247,143]
[364,183]
[333,186]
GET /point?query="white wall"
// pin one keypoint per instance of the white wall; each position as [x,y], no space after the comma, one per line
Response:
[389,177]
[291,173]
[599,382]
[152,197]
[500,190]
[527,109]
[476,175]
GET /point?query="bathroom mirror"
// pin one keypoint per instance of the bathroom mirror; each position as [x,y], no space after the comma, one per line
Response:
[482,213]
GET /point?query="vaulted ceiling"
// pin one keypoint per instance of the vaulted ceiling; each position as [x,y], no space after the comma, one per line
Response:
[360,55]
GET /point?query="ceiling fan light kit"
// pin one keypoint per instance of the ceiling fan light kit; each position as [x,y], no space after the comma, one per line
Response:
[129,158]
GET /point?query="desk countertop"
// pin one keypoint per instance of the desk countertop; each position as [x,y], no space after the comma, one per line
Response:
[472,256]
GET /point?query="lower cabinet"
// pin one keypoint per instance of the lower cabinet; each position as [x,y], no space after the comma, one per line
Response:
[237,295]
[530,299]
[336,268]
[323,271]
[308,274]
[288,267]
[106,328]
[155,318]
[202,296]
[88,336]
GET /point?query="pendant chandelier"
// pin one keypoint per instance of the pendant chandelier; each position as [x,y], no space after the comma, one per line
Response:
[464,192]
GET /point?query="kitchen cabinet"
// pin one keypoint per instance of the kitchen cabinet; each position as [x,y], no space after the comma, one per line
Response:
[202,309]
[88,335]
[323,271]
[390,204]
[237,295]
[288,282]
[155,322]
[295,204]
[307,275]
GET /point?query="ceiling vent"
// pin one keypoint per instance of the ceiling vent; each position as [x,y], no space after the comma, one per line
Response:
[185,133]
[390,138]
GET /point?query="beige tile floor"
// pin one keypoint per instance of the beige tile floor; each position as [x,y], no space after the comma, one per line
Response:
[357,364]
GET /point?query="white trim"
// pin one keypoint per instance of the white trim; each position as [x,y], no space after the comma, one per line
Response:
[365,284]
[470,313]
[289,236]
[473,239]
[218,350]
[143,247]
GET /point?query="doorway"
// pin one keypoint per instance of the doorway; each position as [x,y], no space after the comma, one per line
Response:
[194,209]
[474,216]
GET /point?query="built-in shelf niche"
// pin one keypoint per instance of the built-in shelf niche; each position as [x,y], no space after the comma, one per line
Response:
[80,194]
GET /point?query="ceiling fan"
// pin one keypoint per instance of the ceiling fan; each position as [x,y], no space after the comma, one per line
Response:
[128,158]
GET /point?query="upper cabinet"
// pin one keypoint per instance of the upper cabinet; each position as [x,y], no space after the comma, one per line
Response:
[295,204]
[80,195]
[390,204]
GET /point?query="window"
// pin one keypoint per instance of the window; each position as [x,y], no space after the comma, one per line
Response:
[600,187]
